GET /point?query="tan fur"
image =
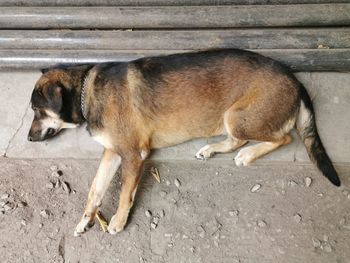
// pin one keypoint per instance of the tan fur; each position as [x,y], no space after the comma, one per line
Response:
[132,113]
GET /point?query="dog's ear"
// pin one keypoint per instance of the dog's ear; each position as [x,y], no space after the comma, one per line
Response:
[55,97]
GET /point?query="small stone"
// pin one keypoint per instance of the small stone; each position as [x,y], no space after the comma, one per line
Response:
[8,207]
[53,168]
[192,249]
[3,203]
[170,244]
[162,193]
[153,225]
[22,204]
[261,223]
[184,236]
[316,243]
[217,173]
[57,184]
[292,183]
[297,218]
[162,213]
[4,196]
[167,182]
[234,213]
[255,188]
[148,213]
[66,187]
[177,183]
[45,213]
[57,173]
[49,185]
[308,181]
[325,238]
[41,226]
[74,192]
[23,223]
[155,220]
[327,248]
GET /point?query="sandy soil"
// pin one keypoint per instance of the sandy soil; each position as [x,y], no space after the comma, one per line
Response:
[213,216]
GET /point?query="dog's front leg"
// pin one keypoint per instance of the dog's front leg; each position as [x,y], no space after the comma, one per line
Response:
[131,174]
[109,165]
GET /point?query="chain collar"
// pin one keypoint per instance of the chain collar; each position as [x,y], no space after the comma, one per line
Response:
[82,96]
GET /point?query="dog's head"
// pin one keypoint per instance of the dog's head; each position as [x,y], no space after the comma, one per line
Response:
[56,102]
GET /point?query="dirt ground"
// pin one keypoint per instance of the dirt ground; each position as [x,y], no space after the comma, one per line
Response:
[212,216]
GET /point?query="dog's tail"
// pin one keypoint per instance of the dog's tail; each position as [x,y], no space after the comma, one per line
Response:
[306,128]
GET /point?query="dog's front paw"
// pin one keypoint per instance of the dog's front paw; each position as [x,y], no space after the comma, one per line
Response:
[244,157]
[84,225]
[204,153]
[116,224]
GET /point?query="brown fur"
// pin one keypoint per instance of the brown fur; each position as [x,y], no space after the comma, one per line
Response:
[146,104]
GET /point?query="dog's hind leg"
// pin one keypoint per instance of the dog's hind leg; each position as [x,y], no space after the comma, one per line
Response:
[109,165]
[248,154]
[228,145]
[131,175]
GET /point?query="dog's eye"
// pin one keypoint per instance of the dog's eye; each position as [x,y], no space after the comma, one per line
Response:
[50,131]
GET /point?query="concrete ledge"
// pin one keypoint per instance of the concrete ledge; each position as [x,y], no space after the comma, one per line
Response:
[330,93]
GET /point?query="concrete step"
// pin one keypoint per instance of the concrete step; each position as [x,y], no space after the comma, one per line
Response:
[329,91]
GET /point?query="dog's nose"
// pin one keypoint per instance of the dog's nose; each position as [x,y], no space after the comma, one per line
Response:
[30,138]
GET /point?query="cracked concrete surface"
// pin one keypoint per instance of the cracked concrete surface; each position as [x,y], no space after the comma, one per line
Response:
[212,217]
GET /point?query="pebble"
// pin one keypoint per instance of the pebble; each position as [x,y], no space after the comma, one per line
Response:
[316,242]
[41,226]
[162,213]
[308,181]
[49,185]
[58,184]
[45,213]
[23,223]
[57,173]
[7,207]
[162,193]
[4,196]
[153,225]
[155,220]
[148,213]
[22,204]
[327,248]
[292,183]
[53,168]
[66,187]
[261,223]
[170,244]
[297,218]
[234,213]
[192,249]
[255,188]
[2,203]
[177,183]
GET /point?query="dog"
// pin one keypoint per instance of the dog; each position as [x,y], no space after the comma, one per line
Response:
[155,102]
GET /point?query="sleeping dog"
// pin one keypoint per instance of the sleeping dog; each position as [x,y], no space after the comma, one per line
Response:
[151,103]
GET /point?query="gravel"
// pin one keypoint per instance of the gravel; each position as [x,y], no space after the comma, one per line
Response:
[255,188]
